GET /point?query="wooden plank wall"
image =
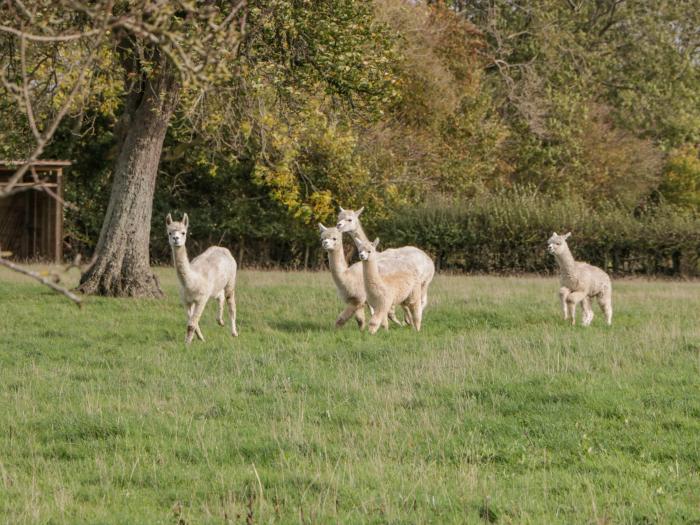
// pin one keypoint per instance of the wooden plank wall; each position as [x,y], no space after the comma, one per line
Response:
[31,225]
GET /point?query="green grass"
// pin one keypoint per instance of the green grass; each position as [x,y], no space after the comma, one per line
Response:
[498,411]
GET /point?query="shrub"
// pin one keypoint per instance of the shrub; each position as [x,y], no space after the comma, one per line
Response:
[507,232]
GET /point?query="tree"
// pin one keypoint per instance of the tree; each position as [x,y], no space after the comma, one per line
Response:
[552,64]
[308,73]
[161,50]
[681,181]
[158,65]
[121,262]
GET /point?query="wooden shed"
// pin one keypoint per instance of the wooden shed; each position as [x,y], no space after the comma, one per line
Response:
[31,222]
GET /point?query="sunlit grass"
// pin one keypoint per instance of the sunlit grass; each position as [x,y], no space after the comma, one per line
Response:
[497,411]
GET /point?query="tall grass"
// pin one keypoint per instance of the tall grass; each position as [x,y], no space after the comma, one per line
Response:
[497,411]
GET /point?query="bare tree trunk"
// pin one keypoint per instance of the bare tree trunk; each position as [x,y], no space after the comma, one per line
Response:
[121,265]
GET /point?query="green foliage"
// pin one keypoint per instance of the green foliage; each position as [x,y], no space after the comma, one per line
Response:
[497,408]
[507,232]
[442,133]
[681,182]
[15,137]
[554,65]
[309,164]
[391,104]
[296,44]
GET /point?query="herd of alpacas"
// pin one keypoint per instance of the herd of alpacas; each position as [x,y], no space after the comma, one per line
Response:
[381,280]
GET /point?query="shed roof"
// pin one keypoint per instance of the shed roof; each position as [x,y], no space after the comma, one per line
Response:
[12,165]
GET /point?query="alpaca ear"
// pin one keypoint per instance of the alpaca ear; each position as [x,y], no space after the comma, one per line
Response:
[341,209]
[168,219]
[185,220]
[376,242]
[321,227]
[358,212]
[567,235]
[554,234]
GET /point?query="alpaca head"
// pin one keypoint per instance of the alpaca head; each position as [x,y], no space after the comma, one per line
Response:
[367,249]
[331,238]
[557,243]
[348,220]
[177,231]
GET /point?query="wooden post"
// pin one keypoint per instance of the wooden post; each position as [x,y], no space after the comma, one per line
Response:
[35,220]
[58,247]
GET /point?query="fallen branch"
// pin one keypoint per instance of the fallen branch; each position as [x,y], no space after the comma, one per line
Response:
[42,280]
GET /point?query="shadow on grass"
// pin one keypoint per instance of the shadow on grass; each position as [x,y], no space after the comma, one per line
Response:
[288,325]
[445,320]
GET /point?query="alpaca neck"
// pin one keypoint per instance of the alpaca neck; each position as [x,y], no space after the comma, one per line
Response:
[182,265]
[370,273]
[359,234]
[338,265]
[566,262]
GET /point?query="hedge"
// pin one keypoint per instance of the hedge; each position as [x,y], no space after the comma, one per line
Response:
[507,233]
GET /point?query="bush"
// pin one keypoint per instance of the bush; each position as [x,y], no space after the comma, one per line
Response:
[507,232]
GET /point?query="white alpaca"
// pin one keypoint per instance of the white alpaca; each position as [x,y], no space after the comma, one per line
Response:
[349,222]
[580,282]
[210,274]
[384,291]
[348,281]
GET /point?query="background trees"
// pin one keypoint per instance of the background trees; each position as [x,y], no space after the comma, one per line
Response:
[391,104]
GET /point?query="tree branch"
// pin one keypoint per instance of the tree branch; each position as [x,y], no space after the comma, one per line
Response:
[48,38]
[43,280]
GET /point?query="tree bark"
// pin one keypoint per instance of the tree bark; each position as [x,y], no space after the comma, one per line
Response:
[121,264]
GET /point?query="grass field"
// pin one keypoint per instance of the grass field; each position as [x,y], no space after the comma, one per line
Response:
[497,412]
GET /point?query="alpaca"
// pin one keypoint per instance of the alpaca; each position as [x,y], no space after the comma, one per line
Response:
[384,291]
[349,222]
[210,274]
[580,282]
[348,281]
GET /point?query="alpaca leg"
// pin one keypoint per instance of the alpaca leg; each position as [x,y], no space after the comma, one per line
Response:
[189,310]
[572,300]
[220,316]
[571,311]
[416,305]
[346,314]
[193,322]
[360,316]
[392,316]
[424,296]
[231,301]
[563,294]
[605,303]
[417,315]
[375,322]
[407,315]
[587,311]
[385,321]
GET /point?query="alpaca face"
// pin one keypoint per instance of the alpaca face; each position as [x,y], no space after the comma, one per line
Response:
[348,220]
[557,243]
[177,231]
[331,239]
[366,249]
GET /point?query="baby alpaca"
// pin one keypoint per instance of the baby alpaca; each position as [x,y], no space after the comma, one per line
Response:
[348,281]
[210,274]
[402,286]
[580,282]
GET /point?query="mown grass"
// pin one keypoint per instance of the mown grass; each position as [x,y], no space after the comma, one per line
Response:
[496,412]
